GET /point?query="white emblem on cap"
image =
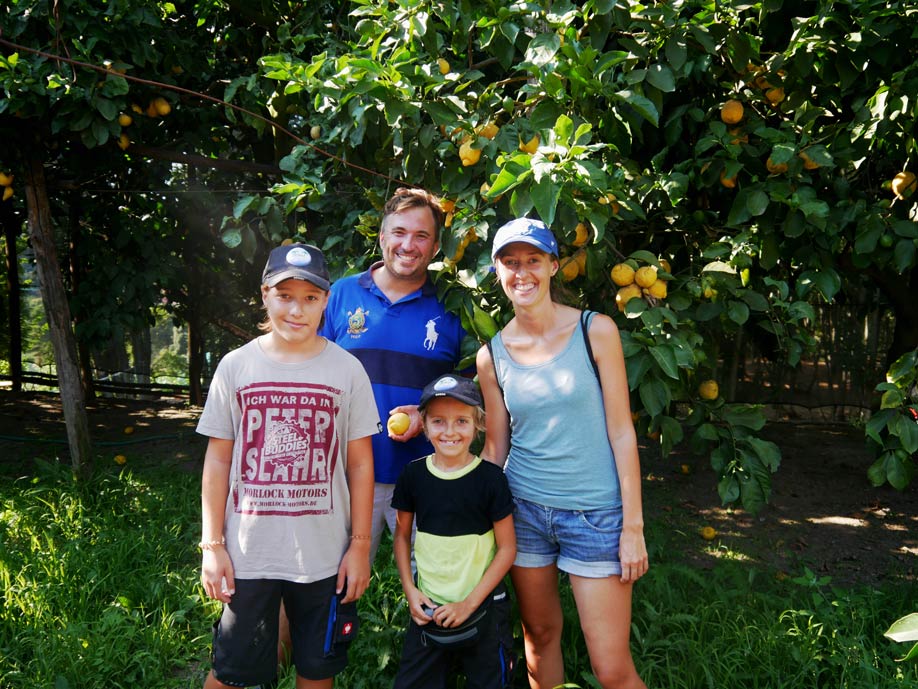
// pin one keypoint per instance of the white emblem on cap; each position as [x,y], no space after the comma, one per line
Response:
[299,257]
[447,383]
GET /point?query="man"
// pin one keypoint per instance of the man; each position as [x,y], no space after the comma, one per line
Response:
[389,317]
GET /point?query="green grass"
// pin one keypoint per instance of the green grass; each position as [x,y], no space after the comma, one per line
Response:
[100,589]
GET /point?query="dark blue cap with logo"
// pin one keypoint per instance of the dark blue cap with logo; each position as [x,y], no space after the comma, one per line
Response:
[297,261]
[452,385]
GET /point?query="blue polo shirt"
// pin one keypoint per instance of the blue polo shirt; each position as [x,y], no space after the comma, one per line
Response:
[403,346]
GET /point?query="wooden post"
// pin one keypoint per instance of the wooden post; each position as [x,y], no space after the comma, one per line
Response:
[57,311]
[12,225]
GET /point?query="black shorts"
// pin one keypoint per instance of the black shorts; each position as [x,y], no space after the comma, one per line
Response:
[245,637]
[488,664]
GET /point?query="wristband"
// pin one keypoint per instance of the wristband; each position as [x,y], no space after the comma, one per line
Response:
[359,537]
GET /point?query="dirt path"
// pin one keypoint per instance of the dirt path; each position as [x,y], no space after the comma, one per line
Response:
[823,514]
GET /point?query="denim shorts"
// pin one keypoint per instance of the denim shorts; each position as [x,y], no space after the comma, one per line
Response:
[580,542]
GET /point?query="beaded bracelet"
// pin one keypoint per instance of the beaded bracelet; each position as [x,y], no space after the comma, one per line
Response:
[359,537]
[210,545]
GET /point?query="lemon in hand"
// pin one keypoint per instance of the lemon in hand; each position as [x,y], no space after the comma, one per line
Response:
[398,423]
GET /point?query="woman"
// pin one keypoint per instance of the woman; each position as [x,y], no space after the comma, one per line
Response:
[564,431]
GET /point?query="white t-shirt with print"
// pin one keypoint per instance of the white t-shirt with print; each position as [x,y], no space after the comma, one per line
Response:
[288,509]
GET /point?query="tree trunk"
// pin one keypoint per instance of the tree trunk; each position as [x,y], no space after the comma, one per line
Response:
[76,273]
[195,359]
[11,228]
[57,311]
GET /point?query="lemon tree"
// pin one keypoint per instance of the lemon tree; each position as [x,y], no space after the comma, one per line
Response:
[603,116]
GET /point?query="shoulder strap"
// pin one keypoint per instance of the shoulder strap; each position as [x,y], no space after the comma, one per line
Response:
[585,329]
[494,364]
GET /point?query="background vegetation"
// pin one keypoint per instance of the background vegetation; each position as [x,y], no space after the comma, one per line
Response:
[162,148]
[100,589]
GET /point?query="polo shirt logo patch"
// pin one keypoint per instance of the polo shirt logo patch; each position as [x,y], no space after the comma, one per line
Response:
[357,321]
[432,335]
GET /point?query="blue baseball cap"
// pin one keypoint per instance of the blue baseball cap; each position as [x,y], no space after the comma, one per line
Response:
[527,230]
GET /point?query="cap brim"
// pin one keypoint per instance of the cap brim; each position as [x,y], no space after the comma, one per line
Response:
[525,240]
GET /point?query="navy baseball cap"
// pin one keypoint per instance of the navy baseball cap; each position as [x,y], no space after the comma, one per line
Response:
[450,385]
[297,261]
[534,232]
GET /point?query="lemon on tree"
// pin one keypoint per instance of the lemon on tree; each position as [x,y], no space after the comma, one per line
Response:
[443,66]
[580,258]
[645,276]
[729,182]
[808,163]
[581,234]
[774,95]
[626,294]
[903,184]
[708,533]
[530,146]
[732,111]
[657,290]
[5,179]
[569,268]
[709,390]
[125,120]
[622,274]
[7,193]
[398,423]
[775,168]
[161,105]
[488,131]
[468,155]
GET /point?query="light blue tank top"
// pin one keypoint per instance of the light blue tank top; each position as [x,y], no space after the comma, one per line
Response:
[560,455]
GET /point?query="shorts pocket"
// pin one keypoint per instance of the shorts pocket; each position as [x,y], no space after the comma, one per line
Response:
[341,627]
[603,521]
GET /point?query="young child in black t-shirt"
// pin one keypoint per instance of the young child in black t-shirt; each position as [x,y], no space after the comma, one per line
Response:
[464,546]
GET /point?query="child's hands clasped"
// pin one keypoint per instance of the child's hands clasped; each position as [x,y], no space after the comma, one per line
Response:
[419,606]
[453,614]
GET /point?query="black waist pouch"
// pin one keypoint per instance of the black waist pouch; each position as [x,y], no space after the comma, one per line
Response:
[468,633]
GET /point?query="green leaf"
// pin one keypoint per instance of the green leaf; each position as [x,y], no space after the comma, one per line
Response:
[907,430]
[876,424]
[754,300]
[748,416]
[643,106]
[666,359]
[767,451]
[729,490]
[661,76]
[232,237]
[737,311]
[903,629]
[708,431]
[542,49]
[545,196]
[655,395]
[757,202]
[906,366]
[892,399]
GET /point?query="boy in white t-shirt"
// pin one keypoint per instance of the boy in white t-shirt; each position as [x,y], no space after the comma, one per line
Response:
[287,486]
